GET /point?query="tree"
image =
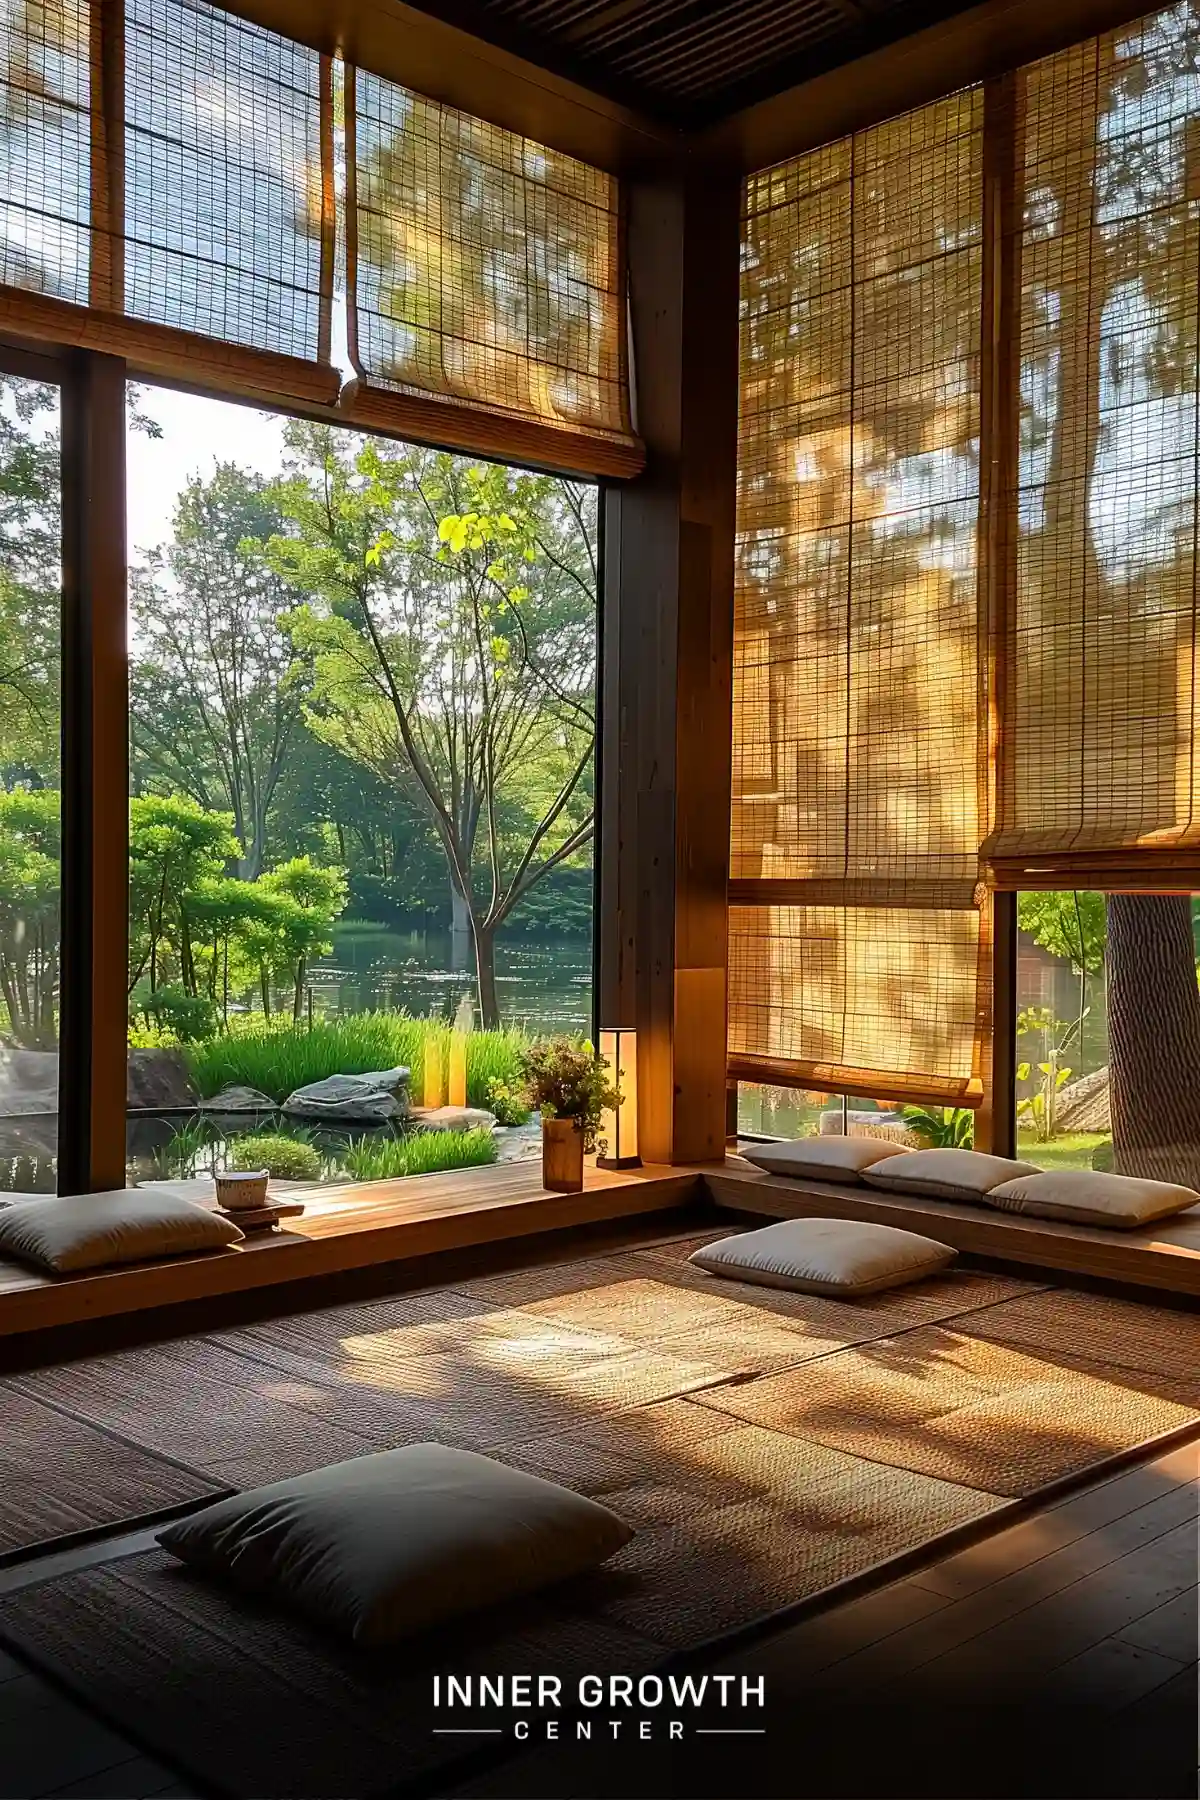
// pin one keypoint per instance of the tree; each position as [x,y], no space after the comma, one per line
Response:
[451,622]
[311,899]
[174,845]
[1119,343]
[30,599]
[218,688]
[1154,1037]
[29,914]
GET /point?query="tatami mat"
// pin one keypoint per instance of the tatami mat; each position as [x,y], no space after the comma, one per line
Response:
[59,1476]
[953,1406]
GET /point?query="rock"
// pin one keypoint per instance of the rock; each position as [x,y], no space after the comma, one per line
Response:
[453,1118]
[158,1080]
[1083,1105]
[370,1099]
[28,1081]
[892,1127]
[238,1100]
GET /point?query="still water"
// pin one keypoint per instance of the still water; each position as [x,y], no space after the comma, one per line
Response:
[543,985]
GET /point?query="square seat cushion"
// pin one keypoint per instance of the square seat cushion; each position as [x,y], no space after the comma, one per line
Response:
[946,1174]
[1088,1197]
[841,1257]
[381,1547]
[823,1158]
[96,1231]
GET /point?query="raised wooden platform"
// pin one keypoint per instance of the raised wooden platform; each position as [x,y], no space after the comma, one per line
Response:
[1164,1256]
[345,1228]
[360,1226]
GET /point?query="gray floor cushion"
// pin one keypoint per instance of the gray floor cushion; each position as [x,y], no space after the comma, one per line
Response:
[822,1158]
[946,1174]
[384,1546]
[1089,1197]
[842,1257]
[96,1231]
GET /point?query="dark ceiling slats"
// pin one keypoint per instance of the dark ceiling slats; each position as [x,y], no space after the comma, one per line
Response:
[678,55]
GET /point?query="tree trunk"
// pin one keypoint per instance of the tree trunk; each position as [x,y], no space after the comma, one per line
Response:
[485,975]
[460,929]
[1154,1037]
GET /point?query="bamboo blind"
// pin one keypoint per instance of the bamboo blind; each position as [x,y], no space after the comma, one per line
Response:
[485,273]
[166,190]
[860,754]
[1099,777]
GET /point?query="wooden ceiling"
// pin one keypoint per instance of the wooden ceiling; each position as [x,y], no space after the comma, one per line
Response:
[690,62]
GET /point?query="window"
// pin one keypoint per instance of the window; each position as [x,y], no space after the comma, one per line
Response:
[362,734]
[30,627]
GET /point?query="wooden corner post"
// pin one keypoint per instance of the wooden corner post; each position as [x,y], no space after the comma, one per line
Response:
[95,780]
[667,679]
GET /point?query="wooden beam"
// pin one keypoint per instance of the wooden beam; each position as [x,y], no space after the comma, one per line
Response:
[95,779]
[668,635]
[987,40]
[444,62]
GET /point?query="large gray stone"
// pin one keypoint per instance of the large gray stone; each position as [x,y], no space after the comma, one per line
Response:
[375,1098]
[157,1080]
[28,1081]
[238,1100]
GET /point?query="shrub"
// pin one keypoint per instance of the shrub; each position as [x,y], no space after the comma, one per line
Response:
[507,1103]
[286,1158]
[418,1153]
[942,1127]
[277,1062]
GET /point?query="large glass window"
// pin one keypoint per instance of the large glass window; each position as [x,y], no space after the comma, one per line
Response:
[30,627]
[362,736]
[1108,1045]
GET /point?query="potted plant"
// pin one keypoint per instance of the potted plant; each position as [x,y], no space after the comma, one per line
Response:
[568,1083]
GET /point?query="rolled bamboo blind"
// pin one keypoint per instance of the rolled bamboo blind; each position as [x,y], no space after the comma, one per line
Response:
[860,752]
[166,191]
[485,285]
[1099,774]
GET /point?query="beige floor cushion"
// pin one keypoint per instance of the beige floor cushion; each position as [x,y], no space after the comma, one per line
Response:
[96,1231]
[946,1174]
[842,1257]
[822,1158]
[1087,1197]
[383,1546]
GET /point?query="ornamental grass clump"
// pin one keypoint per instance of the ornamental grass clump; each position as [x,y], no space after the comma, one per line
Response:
[564,1078]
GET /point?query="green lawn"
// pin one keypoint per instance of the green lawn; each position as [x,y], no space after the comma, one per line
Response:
[1072,1150]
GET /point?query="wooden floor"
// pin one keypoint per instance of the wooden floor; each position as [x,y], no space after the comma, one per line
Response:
[1165,1256]
[1093,1601]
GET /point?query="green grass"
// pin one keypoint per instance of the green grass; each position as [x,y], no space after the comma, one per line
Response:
[284,1158]
[276,1060]
[418,1153]
[1070,1150]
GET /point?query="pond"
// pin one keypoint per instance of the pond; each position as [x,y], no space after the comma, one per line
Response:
[543,984]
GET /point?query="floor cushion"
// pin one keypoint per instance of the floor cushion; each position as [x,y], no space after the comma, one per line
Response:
[842,1257]
[383,1546]
[1088,1197]
[64,1234]
[946,1174]
[822,1158]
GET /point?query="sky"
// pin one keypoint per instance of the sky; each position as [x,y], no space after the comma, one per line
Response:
[196,435]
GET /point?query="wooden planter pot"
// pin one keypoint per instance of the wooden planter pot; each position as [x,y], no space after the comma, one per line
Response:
[562,1156]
